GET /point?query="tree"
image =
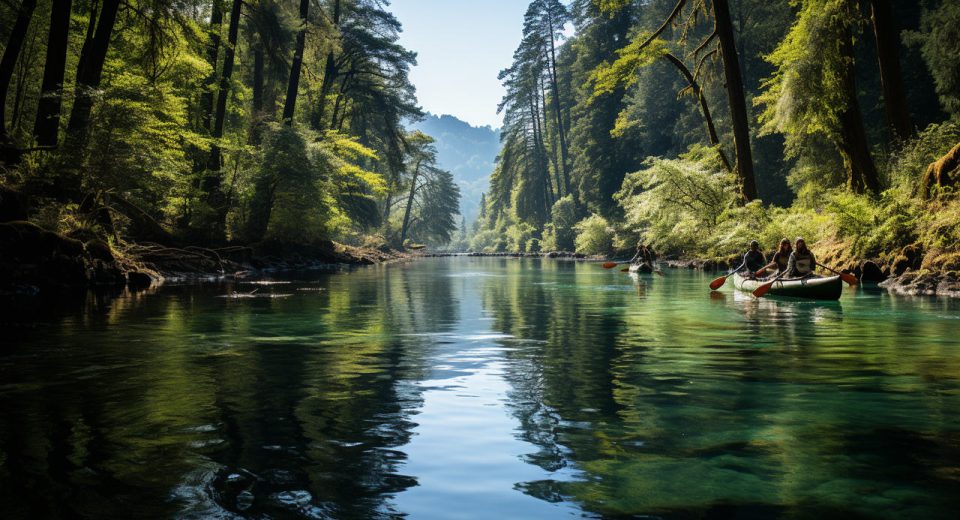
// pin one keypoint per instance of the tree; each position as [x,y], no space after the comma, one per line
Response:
[738,106]
[293,86]
[47,126]
[939,42]
[10,55]
[423,155]
[813,91]
[213,180]
[891,79]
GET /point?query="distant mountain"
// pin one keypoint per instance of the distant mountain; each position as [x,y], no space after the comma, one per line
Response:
[468,152]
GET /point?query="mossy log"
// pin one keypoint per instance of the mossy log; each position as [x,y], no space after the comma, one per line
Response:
[941,173]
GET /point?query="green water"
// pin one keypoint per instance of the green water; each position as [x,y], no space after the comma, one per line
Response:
[480,388]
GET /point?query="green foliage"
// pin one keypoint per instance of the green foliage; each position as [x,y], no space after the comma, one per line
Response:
[519,237]
[594,236]
[639,53]
[906,166]
[805,95]
[939,40]
[563,218]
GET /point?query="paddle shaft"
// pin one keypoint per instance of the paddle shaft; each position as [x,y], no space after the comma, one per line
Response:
[849,278]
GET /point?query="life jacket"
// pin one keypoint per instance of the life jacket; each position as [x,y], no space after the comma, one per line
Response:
[802,263]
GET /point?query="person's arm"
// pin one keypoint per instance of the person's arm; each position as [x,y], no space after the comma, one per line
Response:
[771,265]
[791,264]
[813,262]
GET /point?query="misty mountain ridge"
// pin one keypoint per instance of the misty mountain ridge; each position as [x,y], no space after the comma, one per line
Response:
[467,151]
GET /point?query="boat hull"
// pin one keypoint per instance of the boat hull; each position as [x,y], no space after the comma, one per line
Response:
[641,268]
[811,288]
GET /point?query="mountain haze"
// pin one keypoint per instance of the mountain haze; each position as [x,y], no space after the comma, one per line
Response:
[468,152]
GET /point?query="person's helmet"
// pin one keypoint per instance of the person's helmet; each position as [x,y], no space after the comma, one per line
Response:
[754,243]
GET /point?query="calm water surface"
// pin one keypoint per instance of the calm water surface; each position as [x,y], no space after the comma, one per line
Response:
[480,388]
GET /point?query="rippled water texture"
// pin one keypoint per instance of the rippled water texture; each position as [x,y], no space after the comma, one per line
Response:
[480,388]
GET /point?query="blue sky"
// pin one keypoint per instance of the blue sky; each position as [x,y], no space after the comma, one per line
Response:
[461,45]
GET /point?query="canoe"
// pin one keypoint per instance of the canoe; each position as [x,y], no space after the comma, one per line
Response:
[641,268]
[811,287]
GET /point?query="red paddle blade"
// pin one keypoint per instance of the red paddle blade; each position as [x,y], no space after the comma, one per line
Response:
[849,278]
[760,291]
[609,265]
[718,283]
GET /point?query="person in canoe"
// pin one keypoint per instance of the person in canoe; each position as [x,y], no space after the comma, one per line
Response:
[753,259]
[645,255]
[780,260]
[801,262]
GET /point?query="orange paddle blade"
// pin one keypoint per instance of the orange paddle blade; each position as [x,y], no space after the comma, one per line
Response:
[718,283]
[760,291]
[849,278]
[609,265]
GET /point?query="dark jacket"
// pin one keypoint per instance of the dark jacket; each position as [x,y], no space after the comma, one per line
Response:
[754,260]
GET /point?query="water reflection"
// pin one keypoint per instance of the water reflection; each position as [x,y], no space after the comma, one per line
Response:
[478,388]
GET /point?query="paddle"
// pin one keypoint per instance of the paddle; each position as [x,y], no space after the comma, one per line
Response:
[718,283]
[763,289]
[625,270]
[609,265]
[846,277]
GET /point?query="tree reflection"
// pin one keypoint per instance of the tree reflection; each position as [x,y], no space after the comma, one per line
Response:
[259,407]
[673,405]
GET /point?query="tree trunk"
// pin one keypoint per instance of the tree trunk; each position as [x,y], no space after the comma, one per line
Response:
[862,174]
[554,148]
[539,149]
[89,74]
[213,51]
[888,55]
[406,213]
[9,61]
[257,108]
[738,105]
[47,124]
[293,86]
[556,106]
[330,73]
[213,182]
[705,110]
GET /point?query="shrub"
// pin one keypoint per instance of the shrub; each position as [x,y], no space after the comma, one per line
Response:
[563,216]
[594,236]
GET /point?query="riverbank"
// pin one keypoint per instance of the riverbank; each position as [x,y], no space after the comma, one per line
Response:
[37,260]
[911,271]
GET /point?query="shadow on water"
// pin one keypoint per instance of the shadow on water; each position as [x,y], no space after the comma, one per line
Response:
[555,388]
[258,407]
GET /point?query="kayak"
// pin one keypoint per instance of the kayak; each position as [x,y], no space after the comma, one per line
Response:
[641,268]
[811,287]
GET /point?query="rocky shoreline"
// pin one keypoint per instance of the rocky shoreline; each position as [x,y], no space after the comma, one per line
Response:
[35,261]
[905,277]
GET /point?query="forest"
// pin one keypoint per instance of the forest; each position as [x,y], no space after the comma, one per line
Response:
[696,126]
[142,127]
[214,124]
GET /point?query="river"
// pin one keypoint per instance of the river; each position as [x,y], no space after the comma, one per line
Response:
[480,388]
